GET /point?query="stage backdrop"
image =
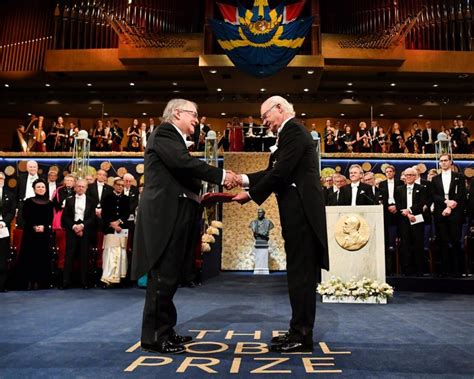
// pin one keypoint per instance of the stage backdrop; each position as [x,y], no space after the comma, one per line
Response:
[237,245]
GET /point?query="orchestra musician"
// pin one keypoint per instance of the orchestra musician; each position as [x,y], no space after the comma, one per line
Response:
[363,138]
[116,136]
[397,139]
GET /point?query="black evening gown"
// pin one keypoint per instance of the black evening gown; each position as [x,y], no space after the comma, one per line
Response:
[35,253]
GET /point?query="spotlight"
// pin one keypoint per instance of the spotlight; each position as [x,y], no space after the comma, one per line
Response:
[349,84]
[132,84]
[393,84]
[306,89]
[213,71]
[310,72]
[47,85]
[219,90]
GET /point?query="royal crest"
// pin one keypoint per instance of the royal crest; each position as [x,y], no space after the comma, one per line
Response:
[262,40]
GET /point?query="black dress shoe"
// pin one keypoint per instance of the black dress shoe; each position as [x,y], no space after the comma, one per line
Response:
[165,347]
[281,338]
[291,347]
[177,339]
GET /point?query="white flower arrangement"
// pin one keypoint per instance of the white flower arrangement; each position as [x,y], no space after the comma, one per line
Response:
[208,238]
[217,224]
[361,290]
[213,231]
[205,247]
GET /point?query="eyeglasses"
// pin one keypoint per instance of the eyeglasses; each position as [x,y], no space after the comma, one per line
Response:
[119,184]
[265,114]
[192,113]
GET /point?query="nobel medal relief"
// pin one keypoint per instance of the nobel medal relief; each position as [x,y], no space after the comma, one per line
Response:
[352,232]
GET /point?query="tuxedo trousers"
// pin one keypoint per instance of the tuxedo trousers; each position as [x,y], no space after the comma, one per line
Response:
[301,247]
[74,244]
[4,252]
[411,247]
[159,313]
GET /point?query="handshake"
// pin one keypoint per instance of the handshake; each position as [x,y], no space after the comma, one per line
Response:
[233,180]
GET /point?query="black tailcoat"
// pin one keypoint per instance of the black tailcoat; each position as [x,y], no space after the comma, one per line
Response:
[170,172]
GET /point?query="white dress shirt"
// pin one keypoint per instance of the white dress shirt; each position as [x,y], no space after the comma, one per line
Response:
[52,188]
[29,186]
[409,196]
[100,189]
[80,207]
[354,187]
[391,190]
[446,179]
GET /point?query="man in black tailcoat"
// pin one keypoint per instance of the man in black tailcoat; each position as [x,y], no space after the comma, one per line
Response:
[79,221]
[7,212]
[390,218]
[166,221]
[356,193]
[410,200]
[449,196]
[293,175]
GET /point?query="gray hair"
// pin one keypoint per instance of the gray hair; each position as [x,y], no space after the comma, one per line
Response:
[173,104]
[287,106]
[356,166]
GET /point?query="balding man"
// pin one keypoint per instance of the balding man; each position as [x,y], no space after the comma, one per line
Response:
[333,196]
[293,175]
[130,190]
[78,220]
[410,200]
[369,178]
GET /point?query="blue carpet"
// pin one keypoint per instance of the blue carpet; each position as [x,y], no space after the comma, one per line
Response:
[86,334]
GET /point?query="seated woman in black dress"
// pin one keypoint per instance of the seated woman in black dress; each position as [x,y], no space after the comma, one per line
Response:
[35,253]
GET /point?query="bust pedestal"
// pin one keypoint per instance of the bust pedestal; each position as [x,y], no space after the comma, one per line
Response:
[260,251]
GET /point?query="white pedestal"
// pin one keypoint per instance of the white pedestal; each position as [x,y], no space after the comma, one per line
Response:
[261,261]
[367,261]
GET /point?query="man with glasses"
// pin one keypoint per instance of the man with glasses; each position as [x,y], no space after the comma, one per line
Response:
[449,196]
[165,230]
[293,175]
[409,202]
